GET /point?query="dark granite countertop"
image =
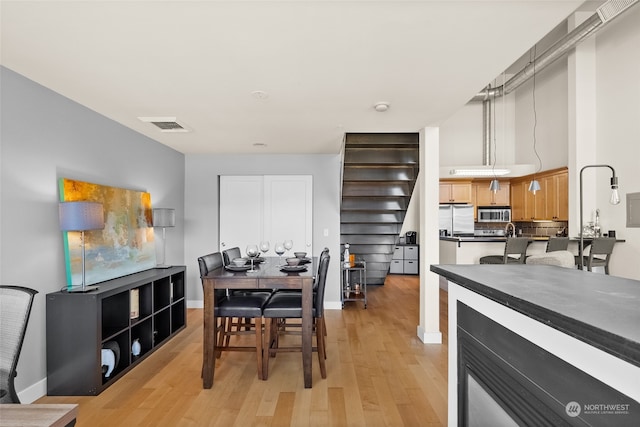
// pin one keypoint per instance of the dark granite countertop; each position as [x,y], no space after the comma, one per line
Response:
[472,239]
[601,310]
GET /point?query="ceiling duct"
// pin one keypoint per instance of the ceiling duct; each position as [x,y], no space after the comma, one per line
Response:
[604,14]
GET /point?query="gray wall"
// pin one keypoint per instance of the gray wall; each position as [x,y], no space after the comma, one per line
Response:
[201,199]
[45,136]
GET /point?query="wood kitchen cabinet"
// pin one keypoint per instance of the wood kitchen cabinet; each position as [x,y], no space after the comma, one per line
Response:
[455,192]
[551,203]
[483,196]
[556,187]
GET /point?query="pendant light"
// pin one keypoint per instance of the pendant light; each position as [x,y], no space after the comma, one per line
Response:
[534,185]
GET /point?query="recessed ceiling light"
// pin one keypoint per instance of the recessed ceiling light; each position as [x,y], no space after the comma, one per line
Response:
[381,107]
[259,94]
[259,144]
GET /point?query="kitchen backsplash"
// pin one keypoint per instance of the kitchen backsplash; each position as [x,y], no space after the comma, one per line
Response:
[530,228]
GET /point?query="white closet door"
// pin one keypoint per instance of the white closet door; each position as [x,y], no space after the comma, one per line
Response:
[273,208]
[241,206]
[289,211]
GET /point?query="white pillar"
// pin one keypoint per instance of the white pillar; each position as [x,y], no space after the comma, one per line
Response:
[429,327]
[581,66]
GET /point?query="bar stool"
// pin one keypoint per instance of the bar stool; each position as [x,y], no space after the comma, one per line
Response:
[513,246]
[557,244]
[602,247]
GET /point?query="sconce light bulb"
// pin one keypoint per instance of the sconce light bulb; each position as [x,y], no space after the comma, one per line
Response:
[615,197]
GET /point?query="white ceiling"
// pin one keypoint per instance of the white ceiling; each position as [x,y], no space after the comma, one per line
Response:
[323,64]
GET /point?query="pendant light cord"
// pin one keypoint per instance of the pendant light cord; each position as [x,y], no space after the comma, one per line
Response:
[495,144]
[535,114]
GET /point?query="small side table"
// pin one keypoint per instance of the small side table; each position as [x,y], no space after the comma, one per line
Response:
[354,283]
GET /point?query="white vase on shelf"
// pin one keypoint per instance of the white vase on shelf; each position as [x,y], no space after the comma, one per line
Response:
[136,348]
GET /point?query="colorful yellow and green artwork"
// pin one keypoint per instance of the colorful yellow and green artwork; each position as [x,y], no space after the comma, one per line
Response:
[125,245]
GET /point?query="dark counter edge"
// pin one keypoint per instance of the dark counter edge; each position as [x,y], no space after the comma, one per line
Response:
[608,342]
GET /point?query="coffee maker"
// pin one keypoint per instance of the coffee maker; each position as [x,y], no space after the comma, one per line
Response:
[410,237]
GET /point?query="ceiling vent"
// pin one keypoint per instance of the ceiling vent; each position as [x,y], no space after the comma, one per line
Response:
[166,124]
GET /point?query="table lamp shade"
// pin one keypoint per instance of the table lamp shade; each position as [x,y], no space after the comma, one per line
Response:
[81,216]
[164,217]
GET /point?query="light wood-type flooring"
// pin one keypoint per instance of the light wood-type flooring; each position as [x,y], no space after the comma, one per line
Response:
[378,374]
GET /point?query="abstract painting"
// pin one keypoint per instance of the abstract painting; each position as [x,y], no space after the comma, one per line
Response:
[125,245]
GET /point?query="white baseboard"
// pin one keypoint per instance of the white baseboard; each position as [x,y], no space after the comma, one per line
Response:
[195,304]
[429,337]
[33,392]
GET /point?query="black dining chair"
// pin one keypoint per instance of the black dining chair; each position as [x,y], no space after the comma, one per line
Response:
[231,306]
[515,252]
[288,305]
[282,323]
[229,255]
[15,308]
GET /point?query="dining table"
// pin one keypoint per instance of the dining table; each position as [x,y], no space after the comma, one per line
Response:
[267,274]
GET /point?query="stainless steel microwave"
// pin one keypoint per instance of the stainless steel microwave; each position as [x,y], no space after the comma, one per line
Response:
[494,213]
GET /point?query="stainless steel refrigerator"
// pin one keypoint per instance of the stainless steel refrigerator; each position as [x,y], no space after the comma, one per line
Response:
[457,219]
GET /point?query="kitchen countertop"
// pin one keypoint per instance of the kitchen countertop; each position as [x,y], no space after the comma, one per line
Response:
[598,309]
[460,239]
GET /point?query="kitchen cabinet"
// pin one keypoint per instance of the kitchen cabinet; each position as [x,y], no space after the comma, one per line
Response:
[525,206]
[483,196]
[455,191]
[556,187]
[551,203]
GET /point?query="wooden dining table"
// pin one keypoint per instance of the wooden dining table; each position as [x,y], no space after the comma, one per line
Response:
[267,275]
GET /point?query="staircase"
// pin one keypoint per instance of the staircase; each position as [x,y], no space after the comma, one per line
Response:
[380,171]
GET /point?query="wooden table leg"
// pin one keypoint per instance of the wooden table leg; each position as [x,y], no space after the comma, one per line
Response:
[208,345]
[307,331]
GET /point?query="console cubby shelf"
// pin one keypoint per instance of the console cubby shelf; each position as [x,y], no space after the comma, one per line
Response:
[80,325]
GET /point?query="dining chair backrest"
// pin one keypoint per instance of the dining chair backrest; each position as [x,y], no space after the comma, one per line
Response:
[322,280]
[601,246]
[229,254]
[557,244]
[15,307]
[208,263]
[516,246]
[323,254]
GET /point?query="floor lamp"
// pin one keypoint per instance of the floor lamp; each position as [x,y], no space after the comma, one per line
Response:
[81,216]
[614,200]
[164,217]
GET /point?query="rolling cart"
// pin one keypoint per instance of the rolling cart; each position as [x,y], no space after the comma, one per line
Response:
[354,283]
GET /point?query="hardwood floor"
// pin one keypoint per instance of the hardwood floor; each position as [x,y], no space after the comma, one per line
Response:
[378,374]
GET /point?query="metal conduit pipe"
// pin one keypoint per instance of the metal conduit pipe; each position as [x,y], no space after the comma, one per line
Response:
[604,14]
[486,132]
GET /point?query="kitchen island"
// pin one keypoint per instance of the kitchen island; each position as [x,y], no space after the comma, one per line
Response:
[542,345]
